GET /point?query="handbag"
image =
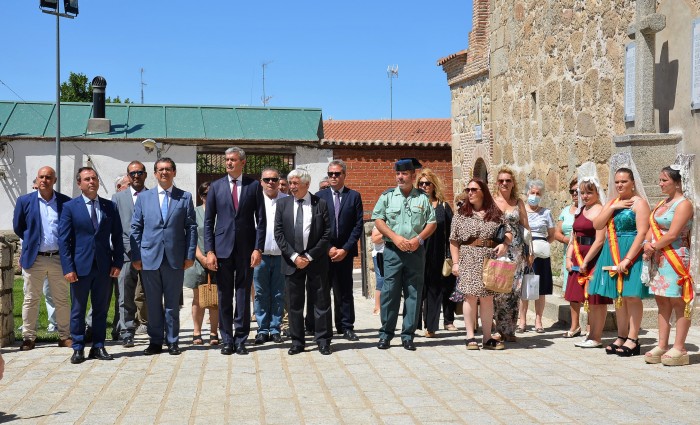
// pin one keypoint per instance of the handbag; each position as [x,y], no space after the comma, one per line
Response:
[208,294]
[498,275]
[540,248]
[530,289]
[500,235]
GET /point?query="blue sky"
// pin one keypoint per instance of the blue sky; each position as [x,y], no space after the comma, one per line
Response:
[330,55]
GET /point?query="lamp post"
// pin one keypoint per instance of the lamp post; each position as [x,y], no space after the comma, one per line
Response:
[71,8]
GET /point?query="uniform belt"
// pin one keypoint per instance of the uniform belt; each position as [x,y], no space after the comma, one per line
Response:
[48,253]
[478,242]
[585,240]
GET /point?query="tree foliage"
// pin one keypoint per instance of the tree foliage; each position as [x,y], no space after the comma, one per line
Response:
[79,89]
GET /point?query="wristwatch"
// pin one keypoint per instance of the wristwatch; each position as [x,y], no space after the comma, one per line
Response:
[420,240]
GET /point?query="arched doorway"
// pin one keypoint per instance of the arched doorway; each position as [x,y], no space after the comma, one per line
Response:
[480,170]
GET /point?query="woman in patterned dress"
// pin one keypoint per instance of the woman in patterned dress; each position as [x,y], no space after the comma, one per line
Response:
[674,217]
[471,242]
[513,209]
[629,215]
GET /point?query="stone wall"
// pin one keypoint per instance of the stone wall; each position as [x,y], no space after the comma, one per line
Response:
[7,275]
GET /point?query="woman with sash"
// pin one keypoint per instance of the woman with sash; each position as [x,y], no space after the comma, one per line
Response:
[625,220]
[667,248]
[581,257]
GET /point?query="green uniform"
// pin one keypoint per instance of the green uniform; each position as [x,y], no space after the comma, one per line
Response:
[403,271]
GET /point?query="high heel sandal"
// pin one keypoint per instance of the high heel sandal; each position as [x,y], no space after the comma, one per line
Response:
[612,347]
[654,355]
[625,351]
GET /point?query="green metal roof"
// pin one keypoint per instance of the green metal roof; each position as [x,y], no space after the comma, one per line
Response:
[169,122]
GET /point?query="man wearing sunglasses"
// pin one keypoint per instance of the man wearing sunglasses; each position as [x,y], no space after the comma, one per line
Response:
[345,211]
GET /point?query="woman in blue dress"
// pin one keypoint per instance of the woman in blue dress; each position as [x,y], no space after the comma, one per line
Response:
[618,270]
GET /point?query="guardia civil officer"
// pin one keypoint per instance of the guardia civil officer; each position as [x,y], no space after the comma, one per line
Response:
[405,218]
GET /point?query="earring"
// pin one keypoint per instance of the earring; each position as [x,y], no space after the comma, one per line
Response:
[633,189]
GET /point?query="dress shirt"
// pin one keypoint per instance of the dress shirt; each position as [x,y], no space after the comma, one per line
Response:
[306,208]
[161,195]
[97,207]
[238,186]
[134,195]
[340,193]
[271,247]
[49,223]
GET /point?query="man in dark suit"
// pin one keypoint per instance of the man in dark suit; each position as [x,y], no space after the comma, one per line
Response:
[163,243]
[87,227]
[302,232]
[234,245]
[345,211]
[35,221]
[129,276]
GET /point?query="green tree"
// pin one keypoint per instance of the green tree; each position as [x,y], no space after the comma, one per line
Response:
[78,89]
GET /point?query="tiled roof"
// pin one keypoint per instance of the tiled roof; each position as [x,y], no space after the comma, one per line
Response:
[416,132]
[446,59]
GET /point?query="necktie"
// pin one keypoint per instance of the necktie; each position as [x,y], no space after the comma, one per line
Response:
[164,205]
[234,195]
[336,207]
[93,215]
[299,228]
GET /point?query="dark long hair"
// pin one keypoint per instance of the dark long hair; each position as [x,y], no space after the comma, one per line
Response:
[492,212]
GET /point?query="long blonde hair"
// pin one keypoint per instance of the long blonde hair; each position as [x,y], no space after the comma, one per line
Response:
[514,193]
[435,180]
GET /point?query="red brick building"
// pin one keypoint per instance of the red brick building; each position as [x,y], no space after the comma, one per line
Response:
[370,148]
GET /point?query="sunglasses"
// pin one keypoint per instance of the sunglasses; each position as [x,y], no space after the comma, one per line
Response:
[270,179]
[424,183]
[573,192]
[136,173]
[334,173]
[505,181]
[472,189]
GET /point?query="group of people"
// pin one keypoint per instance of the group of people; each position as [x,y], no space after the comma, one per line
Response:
[288,250]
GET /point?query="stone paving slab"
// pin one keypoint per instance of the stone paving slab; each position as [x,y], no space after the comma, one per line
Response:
[542,378]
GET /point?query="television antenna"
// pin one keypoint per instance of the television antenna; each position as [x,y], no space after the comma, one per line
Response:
[265,99]
[142,84]
[392,71]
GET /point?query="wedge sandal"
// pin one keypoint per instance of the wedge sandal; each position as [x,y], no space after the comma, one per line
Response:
[654,355]
[675,357]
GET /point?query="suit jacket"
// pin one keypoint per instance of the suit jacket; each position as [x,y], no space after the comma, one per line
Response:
[350,220]
[224,229]
[151,237]
[81,246]
[319,235]
[27,224]
[125,205]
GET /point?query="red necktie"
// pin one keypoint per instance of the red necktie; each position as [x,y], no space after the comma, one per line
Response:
[234,195]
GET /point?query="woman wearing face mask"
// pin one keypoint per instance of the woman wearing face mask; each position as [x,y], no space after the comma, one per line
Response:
[667,248]
[542,228]
[625,220]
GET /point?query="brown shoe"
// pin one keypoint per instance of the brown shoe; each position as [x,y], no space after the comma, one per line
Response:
[27,345]
[428,334]
[68,343]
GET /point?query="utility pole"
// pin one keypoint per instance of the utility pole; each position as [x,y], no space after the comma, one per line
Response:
[142,84]
[392,71]
[265,99]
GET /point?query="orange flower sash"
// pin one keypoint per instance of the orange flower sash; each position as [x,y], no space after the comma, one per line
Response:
[583,279]
[615,253]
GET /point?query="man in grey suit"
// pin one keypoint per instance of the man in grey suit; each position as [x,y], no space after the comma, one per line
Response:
[163,243]
[129,276]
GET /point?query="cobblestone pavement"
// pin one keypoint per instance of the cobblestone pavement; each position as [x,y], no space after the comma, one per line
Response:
[542,378]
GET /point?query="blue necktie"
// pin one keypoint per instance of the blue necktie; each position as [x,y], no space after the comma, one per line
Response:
[93,215]
[164,206]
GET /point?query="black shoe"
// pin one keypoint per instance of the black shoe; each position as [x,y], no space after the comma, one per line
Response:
[383,344]
[325,349]
[296,349]
[227,349]
[78,356]
[241,350]
[350,335]
[408,345]
[174,350]
[99,353]
[309,332]
[277,338]
[261,338]
[153,349]
[88,334]
[128,342]
[115,336]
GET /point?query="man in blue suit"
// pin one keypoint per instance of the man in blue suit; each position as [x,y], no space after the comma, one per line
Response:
[35,221]
[89,239]
[345,211]
[234,239]
[163,243]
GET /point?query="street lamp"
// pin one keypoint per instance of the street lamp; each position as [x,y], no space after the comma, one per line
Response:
[149,145]
[71,11]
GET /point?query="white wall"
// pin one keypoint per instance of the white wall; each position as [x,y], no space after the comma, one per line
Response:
[110,159]
[315,161]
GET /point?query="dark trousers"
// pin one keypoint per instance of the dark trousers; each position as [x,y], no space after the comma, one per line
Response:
[311,281]
[340,278]
[163,288]
[234,278]
[97,286]
[403,275]
[436,295]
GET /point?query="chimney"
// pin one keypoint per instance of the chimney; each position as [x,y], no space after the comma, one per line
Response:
[98,123]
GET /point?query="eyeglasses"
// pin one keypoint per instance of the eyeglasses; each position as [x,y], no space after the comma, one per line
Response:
[472,189]
[271,179]
[504,181]
[335,173]
[137,173]
[425,183]
[573,192]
